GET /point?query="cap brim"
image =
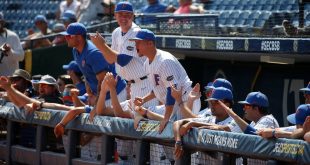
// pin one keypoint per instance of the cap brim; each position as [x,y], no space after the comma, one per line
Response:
[134,39]
[64,33]
[35,81]
[243,102]
[304,89]
[209,99]
[66,67]
[291,118]
[123,11]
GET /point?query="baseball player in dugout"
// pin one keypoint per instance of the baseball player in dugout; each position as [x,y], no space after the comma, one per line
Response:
[164,71]
[124,54]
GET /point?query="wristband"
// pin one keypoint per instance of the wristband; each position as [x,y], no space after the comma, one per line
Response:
[179,143]
[145,113]
[62,125]
[40,105]
[273,133]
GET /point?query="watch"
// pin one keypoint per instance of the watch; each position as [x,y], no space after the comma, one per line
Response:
[179,143]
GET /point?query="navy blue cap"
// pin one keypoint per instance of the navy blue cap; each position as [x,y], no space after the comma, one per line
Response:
[40,18]
[72,66]
[75,29]
[68,15]
[301,114]
[256,98]
[221,93]
[144,34]
[220,82]
[209,86]
[124,6]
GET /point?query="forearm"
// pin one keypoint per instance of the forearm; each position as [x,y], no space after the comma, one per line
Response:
[168,112]
[56,106]
[149,97]
[118,110]
[298,133]
[283,134]
[100,106]
[186,111]
[71,115]
[307,137]
[109,54]
[154,116]
[77,102]
[18,98]
[176,129]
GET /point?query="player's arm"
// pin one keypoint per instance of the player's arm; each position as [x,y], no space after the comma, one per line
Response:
[108,53]
[243,125]
[139,101]
[111,82]
[60,127]
[100,76]
[101,108]
[185,111]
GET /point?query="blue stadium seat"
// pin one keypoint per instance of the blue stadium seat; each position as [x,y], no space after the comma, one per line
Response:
[254,15]
[244,15]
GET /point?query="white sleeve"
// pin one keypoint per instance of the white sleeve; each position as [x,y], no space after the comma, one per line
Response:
[169,73]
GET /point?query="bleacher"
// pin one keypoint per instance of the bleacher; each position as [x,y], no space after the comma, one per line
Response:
[20,14]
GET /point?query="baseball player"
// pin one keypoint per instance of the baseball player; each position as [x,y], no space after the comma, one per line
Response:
[164,70]
[123,52]
[127,62]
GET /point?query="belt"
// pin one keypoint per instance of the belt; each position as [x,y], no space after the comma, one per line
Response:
[141,78]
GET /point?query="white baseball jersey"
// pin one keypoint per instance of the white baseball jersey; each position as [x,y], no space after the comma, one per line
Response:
[204,158]
[164,71]
[134,70]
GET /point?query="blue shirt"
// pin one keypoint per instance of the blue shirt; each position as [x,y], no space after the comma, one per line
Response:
[157,7]
[92,62]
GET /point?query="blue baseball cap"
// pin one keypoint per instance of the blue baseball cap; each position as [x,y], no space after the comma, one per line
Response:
[221,93]
[68,15]
[75,29]
[256,98]
[124,7]
[144,34]
[40,18]
[209,86]
[306,90]
[72,66]
[220,82]
[83,97]
[301,114]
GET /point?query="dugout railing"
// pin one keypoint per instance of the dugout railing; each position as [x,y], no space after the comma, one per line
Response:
[228,145]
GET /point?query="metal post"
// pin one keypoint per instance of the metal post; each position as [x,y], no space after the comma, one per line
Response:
[9,140]
[107,150]
[142,152]
[40,143]
[301,13]
[72,142]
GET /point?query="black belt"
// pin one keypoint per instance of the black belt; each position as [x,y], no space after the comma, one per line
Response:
[141,78]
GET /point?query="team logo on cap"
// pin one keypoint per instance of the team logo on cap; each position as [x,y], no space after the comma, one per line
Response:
[124,6]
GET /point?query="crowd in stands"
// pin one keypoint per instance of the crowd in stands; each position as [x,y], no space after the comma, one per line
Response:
[118,81]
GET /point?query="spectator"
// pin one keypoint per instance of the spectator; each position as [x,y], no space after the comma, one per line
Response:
[154,6]
[65,5]
[290,30]
[98,11]
[186,7]
[21,80]
[62,81]
[11,51]
[68,17]
[76,74]
[41,24]
[59,39]
[306,92]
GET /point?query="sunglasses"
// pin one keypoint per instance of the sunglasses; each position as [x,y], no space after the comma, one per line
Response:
[68,37]
[15,79]
[247,106]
